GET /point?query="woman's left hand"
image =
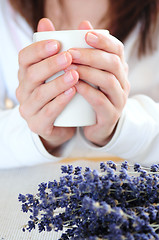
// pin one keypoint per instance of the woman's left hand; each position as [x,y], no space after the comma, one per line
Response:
[105,67]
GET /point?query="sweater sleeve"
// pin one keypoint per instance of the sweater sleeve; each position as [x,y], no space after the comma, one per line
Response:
[21,147]
[137,135]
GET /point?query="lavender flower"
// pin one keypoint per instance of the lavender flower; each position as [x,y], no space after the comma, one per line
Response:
[93,205]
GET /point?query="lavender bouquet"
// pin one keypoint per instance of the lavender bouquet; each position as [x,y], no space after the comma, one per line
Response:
[86,204]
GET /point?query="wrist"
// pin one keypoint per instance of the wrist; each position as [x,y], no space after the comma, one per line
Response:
[50,148]
[104,142]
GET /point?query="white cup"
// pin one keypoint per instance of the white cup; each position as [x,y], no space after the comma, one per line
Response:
[78,112]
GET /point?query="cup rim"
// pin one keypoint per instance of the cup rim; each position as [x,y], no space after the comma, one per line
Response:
[72,30]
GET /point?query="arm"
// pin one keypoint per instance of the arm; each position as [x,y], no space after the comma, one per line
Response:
[40,101]
[105,67]
[19,146]
[137,134]
[134,134]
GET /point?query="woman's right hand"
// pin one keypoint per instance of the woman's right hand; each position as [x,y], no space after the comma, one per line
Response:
[40,102]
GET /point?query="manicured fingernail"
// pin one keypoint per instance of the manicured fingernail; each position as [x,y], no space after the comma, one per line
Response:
[62,59]
[51,46]
[92,38]
[75,53]
[68,77]
[69,91]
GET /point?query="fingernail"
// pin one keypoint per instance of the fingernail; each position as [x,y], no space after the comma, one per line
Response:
[69,91]
[75,54]
[51,46]
[62,59]
[92,38]
[68,77]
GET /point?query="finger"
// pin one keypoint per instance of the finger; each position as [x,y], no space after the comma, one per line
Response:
[48,91]
[45,25]
[85,25]
[99,102]
[102,79]
[107,84]
[101,60]
[47,115]
[106,42]
[105,81]
[38,73]
[38,51]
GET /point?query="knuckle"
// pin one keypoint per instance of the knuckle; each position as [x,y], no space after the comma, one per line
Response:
[128,87]
[91,59]
[58,85]
[100,101]
[31,75]
[25,111]
[111,81]
[21,58]
[116,62]
[39,93]
[48,111]
[51,64]
[120,48]
[33,126]
[22,111]
[61,102]
[106,43]
[39,49]
[124,99]
[18,93]
[115,117]
[19,74]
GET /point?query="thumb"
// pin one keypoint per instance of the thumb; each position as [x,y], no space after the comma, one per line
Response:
[85,25]
[45,24]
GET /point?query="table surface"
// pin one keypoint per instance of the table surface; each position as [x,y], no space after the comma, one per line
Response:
[26,180]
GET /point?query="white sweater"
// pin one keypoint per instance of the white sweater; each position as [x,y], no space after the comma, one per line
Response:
[137,134]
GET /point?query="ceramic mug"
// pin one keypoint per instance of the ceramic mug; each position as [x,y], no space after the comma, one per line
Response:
[78,112]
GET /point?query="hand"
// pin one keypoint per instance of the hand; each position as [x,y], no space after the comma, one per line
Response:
[105,67]
[40,102]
